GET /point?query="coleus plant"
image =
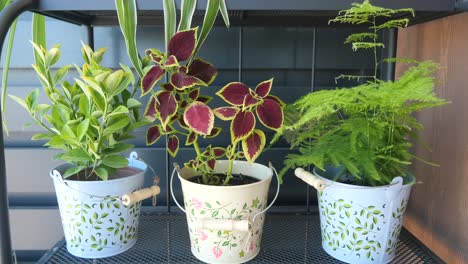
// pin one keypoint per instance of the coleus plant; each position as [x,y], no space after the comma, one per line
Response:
[89,119]
[182,112]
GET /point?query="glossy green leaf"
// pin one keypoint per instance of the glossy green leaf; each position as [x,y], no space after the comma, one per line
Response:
[115,161]
[127,14]
[72,171]
[82,129]
[6,68]
[186,15]
[76,155]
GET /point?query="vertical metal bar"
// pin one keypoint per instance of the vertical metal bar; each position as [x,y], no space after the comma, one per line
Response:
[7,16]
[388,69]
[312,89]
[90,34]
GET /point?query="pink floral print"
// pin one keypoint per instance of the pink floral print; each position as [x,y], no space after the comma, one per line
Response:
[202,234]
[196,203]
[217,251]
[252,246]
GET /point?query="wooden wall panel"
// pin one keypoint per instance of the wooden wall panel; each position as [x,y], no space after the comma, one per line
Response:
[438,209]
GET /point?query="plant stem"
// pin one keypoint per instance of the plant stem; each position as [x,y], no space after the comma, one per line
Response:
[375,50]
[205,177]
[231,162]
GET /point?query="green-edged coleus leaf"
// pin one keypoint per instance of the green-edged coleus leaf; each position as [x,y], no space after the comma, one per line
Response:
[253,145]
[171,62]
[194,94]
[181,121]
[166,107]
[214,132]
[234,93]
[167,87]
[276,99]
[150,110]
[181,80]
[204,99]
[182,44]
[115,161]
[203,70]
[153,134]
[226,113]
[211,163]
[191,138]
[173,145]
[152,76]
[264,88]
[219,152]
[199,118]
[250,100]
[242,125]
[155,55]
[270,114]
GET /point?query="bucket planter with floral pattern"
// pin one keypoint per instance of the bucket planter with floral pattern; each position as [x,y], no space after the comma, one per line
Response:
[226,222]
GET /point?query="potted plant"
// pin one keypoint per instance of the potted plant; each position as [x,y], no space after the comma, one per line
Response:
[88,121]
[225,200]
[359,141]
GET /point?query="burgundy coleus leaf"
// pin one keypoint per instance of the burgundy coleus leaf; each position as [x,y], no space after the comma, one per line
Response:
[264,88]
[153,134]
[168,129]
[194,94]
[183,104]
[219,152]
[167,87]
[276,99]
[189,164]
[166,106]
[204,99]
[214,132]
[156,55]
[182,81]
[253,145]
[171,62]
[203,70]
[182,122]
[211,163]
[151,77]
[270,114]
[150,110]
[173,145]
[199,118]
[226,113]
[234,93]
[191,138]
[242,125]
[250,101]
[183,43]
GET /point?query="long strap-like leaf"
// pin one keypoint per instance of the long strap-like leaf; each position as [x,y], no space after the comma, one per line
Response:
[6,69]
[127,14]
[208,22]
[169,19]
[38,34]
[224,12]
[186,15]
[4,3]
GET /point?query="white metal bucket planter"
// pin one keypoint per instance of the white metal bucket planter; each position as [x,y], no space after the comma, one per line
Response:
[226,222]
[100,218]
[359,224]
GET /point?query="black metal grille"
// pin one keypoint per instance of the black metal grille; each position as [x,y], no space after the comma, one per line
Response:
[286,239]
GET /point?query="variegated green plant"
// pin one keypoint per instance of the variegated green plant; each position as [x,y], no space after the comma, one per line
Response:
[89,119]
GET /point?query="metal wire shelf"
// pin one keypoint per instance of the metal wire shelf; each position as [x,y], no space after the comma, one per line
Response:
[287,239]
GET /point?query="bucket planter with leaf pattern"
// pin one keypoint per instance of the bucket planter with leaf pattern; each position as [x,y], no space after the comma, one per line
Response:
[365,133]
[359,224]
[96,221]
[98,190]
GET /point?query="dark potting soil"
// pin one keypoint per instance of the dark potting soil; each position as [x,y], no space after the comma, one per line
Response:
[120,173]
[218,179]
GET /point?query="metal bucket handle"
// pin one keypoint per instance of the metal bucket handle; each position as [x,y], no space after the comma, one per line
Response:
[127,199]
[226,224]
